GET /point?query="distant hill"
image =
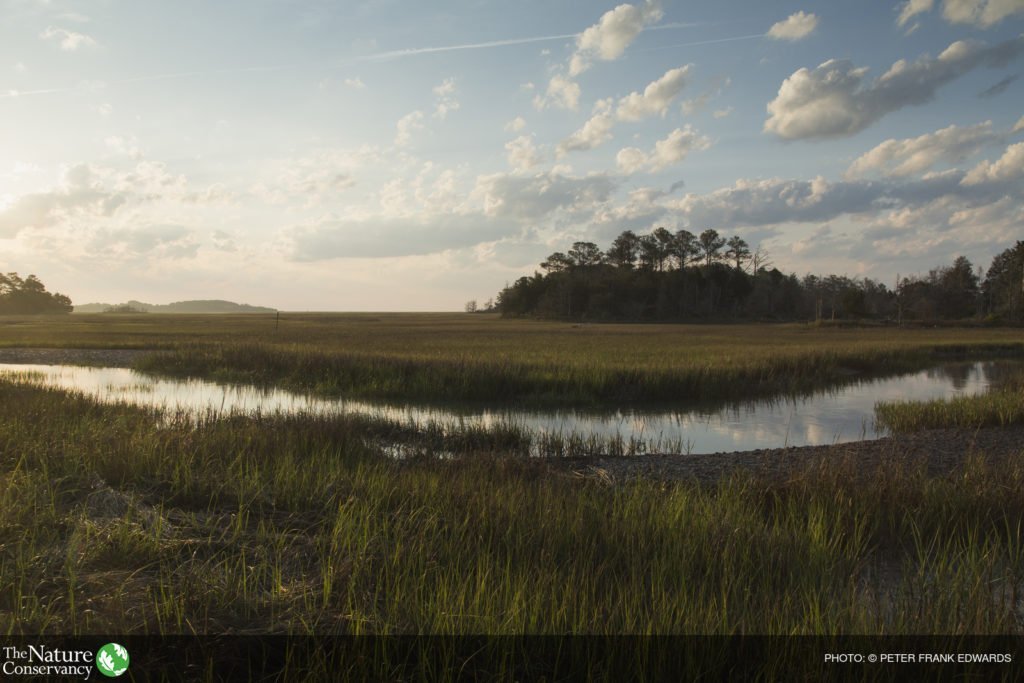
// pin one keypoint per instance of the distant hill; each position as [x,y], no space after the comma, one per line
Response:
[204,306]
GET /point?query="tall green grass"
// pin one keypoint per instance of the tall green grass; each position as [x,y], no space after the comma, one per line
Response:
[121,520]
[448,357]
[999,407]
[537,382]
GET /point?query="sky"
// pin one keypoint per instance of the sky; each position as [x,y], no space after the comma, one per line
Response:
[393,155]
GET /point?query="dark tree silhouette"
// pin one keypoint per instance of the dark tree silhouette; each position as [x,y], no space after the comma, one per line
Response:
[624,250]
[29,296]
[710,246]
[666,276]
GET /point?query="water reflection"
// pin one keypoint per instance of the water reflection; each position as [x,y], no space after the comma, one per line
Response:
[834,416]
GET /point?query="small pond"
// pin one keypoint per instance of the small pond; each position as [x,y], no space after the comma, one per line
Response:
[833,416]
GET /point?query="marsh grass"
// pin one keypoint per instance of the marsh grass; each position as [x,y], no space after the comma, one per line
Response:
[1001,406]
[452,357]
[119,520]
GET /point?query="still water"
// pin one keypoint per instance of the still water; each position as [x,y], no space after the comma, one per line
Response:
[838,415]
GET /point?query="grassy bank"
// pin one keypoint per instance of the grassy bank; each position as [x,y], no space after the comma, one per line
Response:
[113,519]
[444,357]
[449,357]
[1000,407]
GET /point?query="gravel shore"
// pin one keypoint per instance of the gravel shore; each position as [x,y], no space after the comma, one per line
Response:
[942,451]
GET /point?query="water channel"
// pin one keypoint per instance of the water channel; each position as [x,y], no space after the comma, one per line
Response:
[837,415]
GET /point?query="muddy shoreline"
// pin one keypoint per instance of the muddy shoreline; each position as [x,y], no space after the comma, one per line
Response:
[942,451]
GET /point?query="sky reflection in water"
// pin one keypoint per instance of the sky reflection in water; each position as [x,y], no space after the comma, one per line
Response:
[835,416]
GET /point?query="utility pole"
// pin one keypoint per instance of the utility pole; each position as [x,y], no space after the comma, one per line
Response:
[899,303]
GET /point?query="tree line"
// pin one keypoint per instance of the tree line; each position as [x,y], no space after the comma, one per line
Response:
[681,276]
[29,295]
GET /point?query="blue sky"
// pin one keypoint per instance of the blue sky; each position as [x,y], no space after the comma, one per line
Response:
[391,155]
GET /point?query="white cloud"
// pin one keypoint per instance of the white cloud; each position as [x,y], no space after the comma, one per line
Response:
[655,98]
[1008,167]
[696,104]
[612,34]
[128,146]
[383,236]
[515,125]
[911,156]
[522,154]
[92,196]
[446,102]
[530,198]
[911,8]
[835,100]
[69,40]
[500,206]
[795,27]
[982,13]
[672,150]
[317,178]
[596,131]
[562,93]
[407,126]
[1019,126]
[722,113]
[356,83]
[155,240]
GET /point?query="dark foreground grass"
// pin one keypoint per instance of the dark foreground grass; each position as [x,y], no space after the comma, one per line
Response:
[120,520]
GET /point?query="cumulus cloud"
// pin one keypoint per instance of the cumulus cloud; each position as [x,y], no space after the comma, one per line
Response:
[794,27]
[835,99]
[722,113]
[446,102]
[69,40]
[911,156]
[160,240]
[80,194]
[355,82]
[596,131]
[696,104]
[672,150]
[562,93]
[516,124]
[522,154]
[656,97]
[407,126]
[612,34]
[534,197]
[911,8]
[385,236]
[982,13]
[124,145]
[925,203]
[1008,167]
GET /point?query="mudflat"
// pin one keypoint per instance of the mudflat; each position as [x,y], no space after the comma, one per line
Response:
[940,451]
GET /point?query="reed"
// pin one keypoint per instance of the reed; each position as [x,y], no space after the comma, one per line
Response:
[1000,407]
[121,520]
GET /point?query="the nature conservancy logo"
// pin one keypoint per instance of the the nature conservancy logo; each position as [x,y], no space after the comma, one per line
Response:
[112,660]
[53,662]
